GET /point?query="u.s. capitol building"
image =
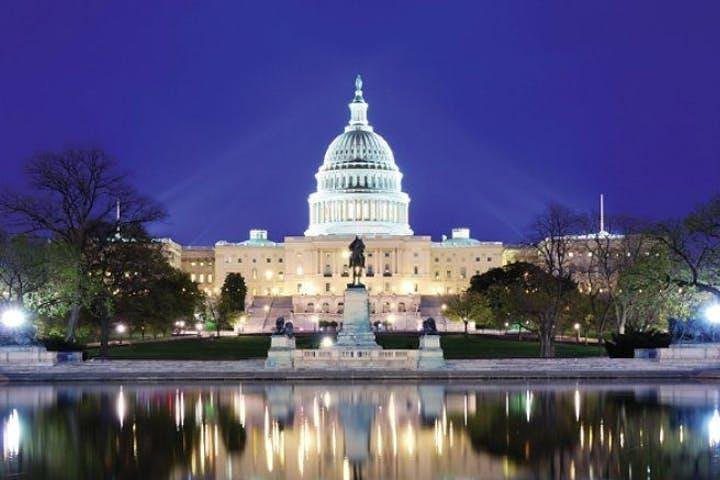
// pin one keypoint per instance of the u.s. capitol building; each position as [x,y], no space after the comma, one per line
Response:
[359,192]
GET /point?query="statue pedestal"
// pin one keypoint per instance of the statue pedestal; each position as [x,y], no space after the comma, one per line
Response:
[281,352]
[27,355]
[356,330]
[430,354]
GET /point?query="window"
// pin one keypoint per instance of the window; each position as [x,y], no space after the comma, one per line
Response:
[401,307]
[228,259]
[325,307]
[209,278]
[340,307]
[239,260]
[463,273]
[327,272]
[489,259]
[386,270]
[437,259]
[370,272]
[193,264]
[201,278]
[386,307]
[192,277]
[448,273]
[437,275]
[327,288]
[268,260]
[415,254]
[299,288]
[310,308]
[254,273]
[416,270]
[281,275]
[415,288]
[254,260]
[477,259]
[387,254]
[280,260]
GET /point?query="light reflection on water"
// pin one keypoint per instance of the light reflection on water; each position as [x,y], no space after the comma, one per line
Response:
[353,431]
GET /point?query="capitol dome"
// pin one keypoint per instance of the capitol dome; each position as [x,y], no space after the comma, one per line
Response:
[359,189]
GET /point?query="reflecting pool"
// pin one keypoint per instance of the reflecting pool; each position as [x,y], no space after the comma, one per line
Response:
[361,430]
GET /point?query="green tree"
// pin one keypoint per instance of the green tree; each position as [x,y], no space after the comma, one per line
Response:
[232,298]
[469,306]
[23,267]
[529,296]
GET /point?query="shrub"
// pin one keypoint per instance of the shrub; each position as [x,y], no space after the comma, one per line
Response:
[623,346]
[58,344]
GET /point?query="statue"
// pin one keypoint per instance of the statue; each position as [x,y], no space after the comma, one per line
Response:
[284,328]
[357,261]
[429,327]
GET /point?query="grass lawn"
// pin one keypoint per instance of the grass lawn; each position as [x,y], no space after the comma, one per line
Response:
[237,348]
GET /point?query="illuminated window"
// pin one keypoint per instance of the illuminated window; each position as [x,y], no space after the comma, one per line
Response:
[192,277]
[201,278]
[254,273]
[209,278]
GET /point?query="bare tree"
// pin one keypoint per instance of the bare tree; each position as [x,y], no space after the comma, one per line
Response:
[608,256]
[75,193]
[555,236]
[694,246]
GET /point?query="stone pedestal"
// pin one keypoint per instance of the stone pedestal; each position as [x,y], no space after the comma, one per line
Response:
[356,330]
[281,352]
[430,354]
[696,351]
[27,355]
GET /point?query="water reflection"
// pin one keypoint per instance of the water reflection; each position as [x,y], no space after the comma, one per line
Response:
[361,431]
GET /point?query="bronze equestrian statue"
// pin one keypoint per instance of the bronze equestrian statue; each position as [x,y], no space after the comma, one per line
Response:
[357,261]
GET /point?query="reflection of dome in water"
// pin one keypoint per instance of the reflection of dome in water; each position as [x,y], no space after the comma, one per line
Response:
[359,185]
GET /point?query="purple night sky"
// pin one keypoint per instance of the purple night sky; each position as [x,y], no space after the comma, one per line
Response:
[223,110]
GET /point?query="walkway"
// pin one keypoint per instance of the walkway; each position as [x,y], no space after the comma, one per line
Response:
[160,370]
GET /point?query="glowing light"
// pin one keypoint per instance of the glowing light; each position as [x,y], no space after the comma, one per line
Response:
[13,317]
[712,313]
[714,429]
[120,406]
[266,308]
[120,328]
[576,326]
[11,435]
[577,405]
[326,342]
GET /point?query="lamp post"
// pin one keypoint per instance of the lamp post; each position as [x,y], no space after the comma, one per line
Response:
[120,329]
[577,332]
[13,318]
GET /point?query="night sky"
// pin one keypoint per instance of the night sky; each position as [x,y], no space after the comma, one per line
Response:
[222,111]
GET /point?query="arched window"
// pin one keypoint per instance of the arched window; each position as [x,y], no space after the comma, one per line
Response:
[386,307]
[340,307]
[401,307]
[325,307]
[310,308]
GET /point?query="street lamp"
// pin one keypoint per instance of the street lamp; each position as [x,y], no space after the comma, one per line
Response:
[712,313]
[120,329]
[13,317]
[577,332]
[326,342]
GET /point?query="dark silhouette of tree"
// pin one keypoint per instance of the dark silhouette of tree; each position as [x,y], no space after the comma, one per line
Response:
[74,196]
